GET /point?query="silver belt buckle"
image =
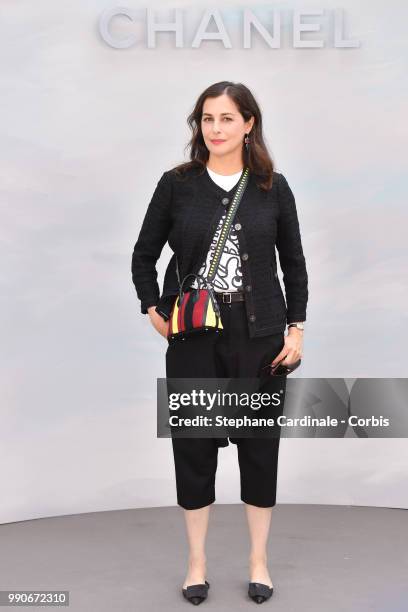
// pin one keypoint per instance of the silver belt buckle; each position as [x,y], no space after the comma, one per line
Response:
[224,300]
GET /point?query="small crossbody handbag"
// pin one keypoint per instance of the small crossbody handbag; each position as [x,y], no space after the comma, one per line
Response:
[197,310]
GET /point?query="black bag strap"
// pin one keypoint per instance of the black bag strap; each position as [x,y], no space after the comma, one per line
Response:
[239,192]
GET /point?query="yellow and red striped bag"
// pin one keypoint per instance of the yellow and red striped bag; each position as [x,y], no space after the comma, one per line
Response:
[195,310]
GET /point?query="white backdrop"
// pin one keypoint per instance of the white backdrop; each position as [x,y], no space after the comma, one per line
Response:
[86,132]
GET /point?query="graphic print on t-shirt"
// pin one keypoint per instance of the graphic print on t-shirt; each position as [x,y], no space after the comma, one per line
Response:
[228,276]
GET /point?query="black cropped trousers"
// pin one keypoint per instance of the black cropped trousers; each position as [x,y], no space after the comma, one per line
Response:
[230,353]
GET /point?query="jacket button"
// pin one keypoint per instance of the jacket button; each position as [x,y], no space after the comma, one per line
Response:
[244,256]
[248,288]
[252,318]
[225,201]
[237,226]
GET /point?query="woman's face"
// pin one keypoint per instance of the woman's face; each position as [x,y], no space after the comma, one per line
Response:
[221,121]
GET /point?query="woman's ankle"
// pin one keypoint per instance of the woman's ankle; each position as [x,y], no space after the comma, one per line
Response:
[197,559]
[258,559]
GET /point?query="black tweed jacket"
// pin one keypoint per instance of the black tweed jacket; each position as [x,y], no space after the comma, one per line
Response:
[185,212]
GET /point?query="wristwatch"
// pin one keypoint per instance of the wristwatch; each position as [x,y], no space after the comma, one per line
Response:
[298,325]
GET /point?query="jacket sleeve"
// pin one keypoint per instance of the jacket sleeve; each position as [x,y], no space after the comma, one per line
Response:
[151,240]
[291,258]
[170,289]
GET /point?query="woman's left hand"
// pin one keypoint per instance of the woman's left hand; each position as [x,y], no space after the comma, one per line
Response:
[292,351]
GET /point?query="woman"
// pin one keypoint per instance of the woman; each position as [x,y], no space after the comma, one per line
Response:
[187,210]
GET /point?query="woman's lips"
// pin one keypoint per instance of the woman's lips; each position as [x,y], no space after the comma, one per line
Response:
[217,141]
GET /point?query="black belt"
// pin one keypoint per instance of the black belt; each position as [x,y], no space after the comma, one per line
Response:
[226,297]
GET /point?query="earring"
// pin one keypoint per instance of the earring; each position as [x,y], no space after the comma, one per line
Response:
[246,141]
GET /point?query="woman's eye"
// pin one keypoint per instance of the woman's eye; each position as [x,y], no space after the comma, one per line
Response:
[209,118]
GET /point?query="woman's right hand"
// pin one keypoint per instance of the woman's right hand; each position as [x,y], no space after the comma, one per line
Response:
[158,322]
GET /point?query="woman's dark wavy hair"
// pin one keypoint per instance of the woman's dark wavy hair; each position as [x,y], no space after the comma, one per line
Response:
[257,158]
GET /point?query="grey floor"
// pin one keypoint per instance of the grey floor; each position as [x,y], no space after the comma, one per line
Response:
[321,558]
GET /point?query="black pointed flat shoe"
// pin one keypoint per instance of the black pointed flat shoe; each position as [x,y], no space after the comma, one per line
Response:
[259,592]
[196,593]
